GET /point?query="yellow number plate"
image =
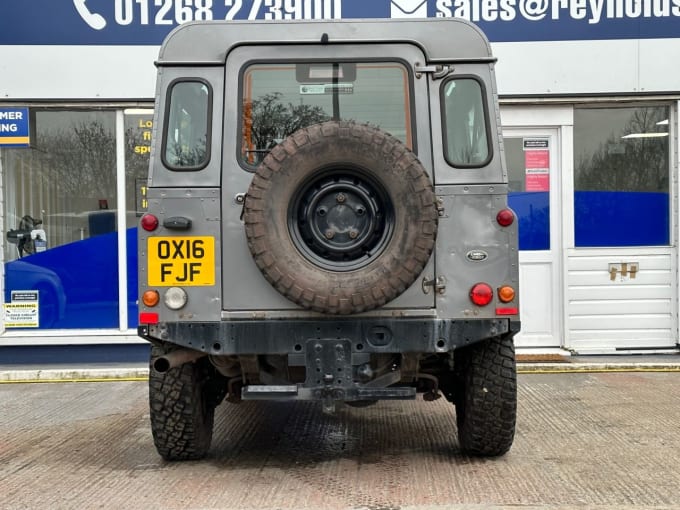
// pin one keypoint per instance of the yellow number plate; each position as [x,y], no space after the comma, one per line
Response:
[181,261]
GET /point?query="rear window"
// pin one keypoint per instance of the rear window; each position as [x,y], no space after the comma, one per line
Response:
[280,98]
[466,137]
[187,126]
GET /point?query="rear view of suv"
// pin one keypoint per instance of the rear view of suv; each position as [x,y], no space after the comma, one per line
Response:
[327,220]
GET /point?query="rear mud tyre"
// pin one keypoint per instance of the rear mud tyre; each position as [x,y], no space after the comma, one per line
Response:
[340,217]
[181,409]
[486,397]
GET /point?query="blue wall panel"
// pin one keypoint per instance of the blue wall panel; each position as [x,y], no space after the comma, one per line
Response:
[620,218]
[132,277]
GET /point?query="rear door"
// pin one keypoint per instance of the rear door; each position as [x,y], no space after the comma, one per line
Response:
[271,91]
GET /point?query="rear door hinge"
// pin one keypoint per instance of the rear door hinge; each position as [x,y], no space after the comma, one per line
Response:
[437,71]
[439,204]
[438,284]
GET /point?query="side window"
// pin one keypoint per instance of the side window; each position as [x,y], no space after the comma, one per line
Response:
[466,139]
[186,140]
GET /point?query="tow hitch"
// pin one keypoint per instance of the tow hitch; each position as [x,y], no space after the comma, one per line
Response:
[329,379]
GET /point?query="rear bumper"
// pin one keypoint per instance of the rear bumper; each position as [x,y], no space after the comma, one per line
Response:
[365,335]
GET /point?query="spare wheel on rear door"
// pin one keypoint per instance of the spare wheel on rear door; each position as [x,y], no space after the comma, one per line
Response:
[340,217]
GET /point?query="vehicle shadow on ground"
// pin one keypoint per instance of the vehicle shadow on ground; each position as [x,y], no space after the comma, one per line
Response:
[286,434]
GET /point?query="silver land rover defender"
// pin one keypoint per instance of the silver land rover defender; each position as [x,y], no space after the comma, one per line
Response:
[327,220]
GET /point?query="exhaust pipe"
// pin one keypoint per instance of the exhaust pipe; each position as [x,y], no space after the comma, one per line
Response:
[175,358]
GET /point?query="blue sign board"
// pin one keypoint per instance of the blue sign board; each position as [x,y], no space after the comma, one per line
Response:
[14,131]
[147,22]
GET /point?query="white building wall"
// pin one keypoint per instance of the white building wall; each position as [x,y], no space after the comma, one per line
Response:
[77,72]
[588,67]
[624,66]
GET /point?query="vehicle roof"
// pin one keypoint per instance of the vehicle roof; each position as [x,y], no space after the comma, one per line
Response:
[209,42]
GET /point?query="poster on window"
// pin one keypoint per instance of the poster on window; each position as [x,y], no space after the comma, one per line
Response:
[536,164]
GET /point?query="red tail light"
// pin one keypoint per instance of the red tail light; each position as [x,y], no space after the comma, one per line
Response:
[505,217]
[149,222]
[481,294]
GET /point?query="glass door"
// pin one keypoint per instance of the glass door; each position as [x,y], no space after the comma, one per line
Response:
[533,171]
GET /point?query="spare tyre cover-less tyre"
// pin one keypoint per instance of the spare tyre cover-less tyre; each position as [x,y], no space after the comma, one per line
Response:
[340,217]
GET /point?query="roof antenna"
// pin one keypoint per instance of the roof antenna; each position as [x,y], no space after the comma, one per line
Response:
[324,39]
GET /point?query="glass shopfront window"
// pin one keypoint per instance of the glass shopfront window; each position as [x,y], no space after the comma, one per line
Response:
[60,210]
[621,176]
[59,199]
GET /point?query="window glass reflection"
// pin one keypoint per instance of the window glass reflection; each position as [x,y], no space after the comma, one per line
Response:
[621,176]
[278,99]
[466,142]
[59,200]
[186,134]
[529,190]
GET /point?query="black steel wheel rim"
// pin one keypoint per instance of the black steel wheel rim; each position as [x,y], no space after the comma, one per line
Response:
[341,219]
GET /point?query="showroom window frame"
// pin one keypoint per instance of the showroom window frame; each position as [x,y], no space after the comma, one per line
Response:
[671,175]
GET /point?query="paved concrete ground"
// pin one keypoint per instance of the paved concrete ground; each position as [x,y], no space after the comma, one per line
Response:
[584,440]
[529,361]
[78,371]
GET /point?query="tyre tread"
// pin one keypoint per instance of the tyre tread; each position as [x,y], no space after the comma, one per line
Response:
[487,406]
[181,427]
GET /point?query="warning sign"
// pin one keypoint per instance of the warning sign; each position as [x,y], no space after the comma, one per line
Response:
[23,310]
